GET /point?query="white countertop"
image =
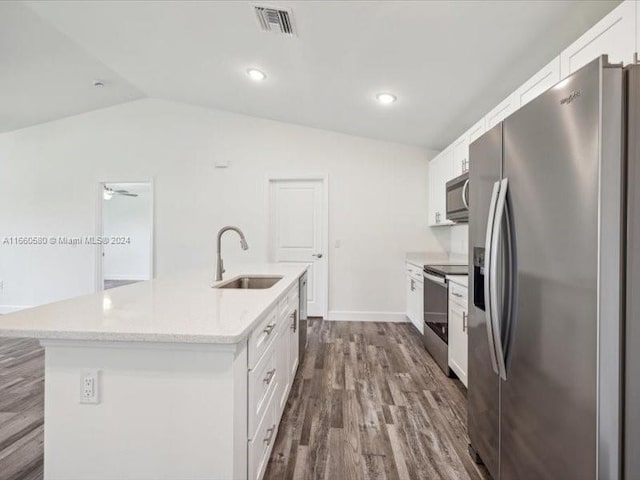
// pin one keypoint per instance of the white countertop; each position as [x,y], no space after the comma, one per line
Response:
[420,259]
[459,279]
[181,308]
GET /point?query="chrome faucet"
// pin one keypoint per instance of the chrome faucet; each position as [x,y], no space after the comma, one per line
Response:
[243,244]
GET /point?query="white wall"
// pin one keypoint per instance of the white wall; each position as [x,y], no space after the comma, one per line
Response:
[128,218]
[378,197]
[459,242]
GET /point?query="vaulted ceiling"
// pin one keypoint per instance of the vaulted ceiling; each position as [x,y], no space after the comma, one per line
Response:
[448,62]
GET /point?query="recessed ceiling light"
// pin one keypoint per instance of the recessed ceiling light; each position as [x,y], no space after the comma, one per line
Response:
[256,75]
[98,83]
[386,98]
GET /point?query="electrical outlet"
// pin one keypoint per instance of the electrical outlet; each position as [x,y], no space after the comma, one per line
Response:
[1,285]
[89,387]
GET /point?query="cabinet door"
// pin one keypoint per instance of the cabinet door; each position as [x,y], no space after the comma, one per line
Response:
[409,297]
[440,172]
[293,332]
[458,341]
[419,306]
[614,35]
[502,111]
[542,81]
[461,155]
[282,369]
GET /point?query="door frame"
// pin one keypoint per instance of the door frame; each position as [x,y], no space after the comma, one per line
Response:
[324,178]
[99,250]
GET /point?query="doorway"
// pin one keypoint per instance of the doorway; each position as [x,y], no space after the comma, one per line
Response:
[125,251]
[298,232]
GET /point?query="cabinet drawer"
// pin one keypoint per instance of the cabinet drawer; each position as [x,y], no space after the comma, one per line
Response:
[262,336]
[263,381]
[414,271]
[261,444]
[458,294]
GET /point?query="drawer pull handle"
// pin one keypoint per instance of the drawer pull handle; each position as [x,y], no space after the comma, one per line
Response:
[269,435]
[269,376]
[457,295]
[294,318]
[465,317]
[269,328]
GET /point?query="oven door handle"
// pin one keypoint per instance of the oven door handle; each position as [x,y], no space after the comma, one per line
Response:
[433,278]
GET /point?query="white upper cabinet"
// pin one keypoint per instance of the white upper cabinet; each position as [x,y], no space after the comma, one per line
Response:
[614,35]
[477,130]
[461,155]
[539,83]
[501,111]
[440,172]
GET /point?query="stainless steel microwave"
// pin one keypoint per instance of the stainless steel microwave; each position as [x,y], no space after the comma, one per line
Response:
[458,198]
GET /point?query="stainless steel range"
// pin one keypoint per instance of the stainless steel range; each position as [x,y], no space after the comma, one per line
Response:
[436,311]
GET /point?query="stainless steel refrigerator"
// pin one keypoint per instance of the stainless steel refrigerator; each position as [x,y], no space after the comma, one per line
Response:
[547,228]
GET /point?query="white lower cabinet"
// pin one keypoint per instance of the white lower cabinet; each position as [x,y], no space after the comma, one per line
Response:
[264,380]
[414,297]
[261,444]
[271,378]
[419,306]
[458,331]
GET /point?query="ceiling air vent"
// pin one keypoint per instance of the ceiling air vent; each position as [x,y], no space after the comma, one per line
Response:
[275,20]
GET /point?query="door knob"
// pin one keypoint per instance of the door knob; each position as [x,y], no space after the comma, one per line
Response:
[317,255]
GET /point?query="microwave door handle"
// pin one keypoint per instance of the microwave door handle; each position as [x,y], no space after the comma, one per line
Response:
[487,272]
[464,194]
[496,311]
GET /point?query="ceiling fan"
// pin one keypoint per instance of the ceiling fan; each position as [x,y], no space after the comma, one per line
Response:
[108,193]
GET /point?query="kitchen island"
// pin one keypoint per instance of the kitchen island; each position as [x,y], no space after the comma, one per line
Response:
[166,379]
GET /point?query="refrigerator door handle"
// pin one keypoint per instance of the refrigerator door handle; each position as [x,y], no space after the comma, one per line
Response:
[487,273]
[496,311]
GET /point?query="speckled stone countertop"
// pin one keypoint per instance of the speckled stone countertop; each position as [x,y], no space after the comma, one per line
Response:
[181,308]
[420,259]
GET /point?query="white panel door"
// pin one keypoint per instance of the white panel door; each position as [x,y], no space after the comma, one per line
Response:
[297,230]
[542,81]
[614,35]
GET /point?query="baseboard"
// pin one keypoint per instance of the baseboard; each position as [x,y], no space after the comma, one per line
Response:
[4,309]
[131,278]
[356,316]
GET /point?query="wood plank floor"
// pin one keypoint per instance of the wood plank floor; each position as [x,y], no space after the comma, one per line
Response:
[369,402]
[21,409]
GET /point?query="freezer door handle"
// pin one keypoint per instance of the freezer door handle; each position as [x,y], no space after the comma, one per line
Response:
[496,310]
[487,274]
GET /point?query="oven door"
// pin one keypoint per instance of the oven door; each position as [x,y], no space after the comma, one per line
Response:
[436,306]
[458,199]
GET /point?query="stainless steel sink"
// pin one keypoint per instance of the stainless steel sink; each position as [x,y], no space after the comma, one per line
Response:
[250,283]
